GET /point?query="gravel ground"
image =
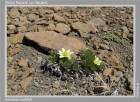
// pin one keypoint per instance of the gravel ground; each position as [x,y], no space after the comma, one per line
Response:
[24,73]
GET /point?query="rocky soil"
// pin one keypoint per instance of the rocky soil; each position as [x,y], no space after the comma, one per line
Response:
[88,25]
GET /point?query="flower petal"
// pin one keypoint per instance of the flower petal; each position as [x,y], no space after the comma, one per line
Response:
[63,50]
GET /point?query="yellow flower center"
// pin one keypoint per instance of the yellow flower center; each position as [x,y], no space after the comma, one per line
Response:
[65,53]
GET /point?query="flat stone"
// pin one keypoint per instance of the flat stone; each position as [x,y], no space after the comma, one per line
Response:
[82,27]
[58,18]
[24,83]
[97,22]
[32,17]
[11,27]
[107,71]
[115,61]
[62,28]
[18,38]
[52,40]
[13,51]
[51,27]
[22,29]
[83,34]
[104,53]
[23,62]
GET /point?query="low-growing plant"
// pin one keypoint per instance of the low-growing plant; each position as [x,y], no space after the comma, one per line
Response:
[88,62]
[65,63]
[113,37]
[53,57]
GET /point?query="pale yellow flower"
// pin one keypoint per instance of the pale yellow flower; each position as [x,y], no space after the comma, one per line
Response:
[97,61]
[65,53]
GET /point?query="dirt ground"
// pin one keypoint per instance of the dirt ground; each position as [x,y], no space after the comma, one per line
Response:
[24,57]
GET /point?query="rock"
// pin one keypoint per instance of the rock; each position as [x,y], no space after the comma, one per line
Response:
[19,73]
[10,59]
[51,40]
[130,24]
[62,28]
[72,34]
[83,34]
[104,47]
[11,29]
[40,28]
[32,17]
[51,27]
[22,29]
[114,78]
[117,33]
[41,22]
[115,61]
[49,11]
[105,28]
[97,22]
[58,18]
[90,91]
[11,71]
[13,51]
[24,10]
[104,53]
[24,83]
[23,62]
[14,13]
[82,27]
[14,87]
[98,90]
[130,80]
[96,45]
[39,61]
[125,32]
[118,73]
[57,9]
[25,73]
[56,84]
[17,38]
[31,70]
[107,71]
[94,29]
